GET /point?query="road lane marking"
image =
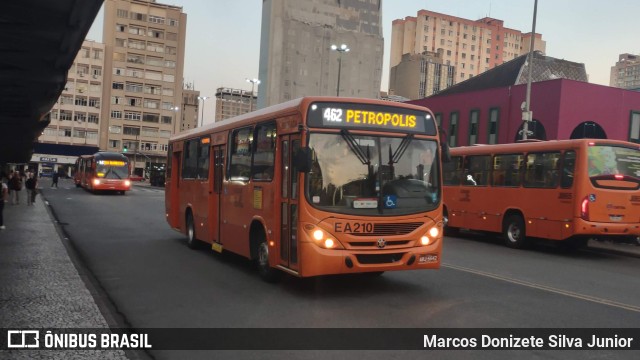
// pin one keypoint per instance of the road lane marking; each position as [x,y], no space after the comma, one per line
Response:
[546,288]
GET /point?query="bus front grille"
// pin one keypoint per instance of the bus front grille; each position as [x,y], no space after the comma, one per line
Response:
[379,258]
[390,229]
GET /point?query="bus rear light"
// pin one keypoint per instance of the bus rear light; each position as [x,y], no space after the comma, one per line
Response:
[584,208]
[619,177]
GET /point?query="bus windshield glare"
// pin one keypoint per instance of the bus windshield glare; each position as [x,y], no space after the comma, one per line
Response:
[371,175]
[614,160]
[112,169]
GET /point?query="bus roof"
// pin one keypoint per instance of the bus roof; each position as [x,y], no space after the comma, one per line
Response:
[107,155]
[285,108]
[534,146]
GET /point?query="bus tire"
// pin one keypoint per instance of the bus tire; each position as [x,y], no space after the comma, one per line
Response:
[514,232]
[192,242]
[267,273]
[448,230]
[77,185]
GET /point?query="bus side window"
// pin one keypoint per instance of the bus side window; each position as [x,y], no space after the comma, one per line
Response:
[568,169]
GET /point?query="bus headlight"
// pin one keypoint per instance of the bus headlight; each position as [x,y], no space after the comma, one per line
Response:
[127,183]
[96,181]
[431,237]
[322,238]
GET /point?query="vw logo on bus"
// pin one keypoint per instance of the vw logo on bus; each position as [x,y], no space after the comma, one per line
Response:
[382,243]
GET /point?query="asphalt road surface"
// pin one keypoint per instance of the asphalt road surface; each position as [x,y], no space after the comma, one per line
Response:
[152,279]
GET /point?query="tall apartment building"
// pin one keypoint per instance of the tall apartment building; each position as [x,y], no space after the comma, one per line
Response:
[189,111]
[233,102]
[626,73]
[295,49]
[472,46]
[75,118]
[144,65]
[420,75]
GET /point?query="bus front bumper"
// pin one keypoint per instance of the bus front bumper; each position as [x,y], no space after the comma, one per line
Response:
[315,260]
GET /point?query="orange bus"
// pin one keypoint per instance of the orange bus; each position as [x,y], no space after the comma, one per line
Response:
[103,171]
[313,186]
[566,190]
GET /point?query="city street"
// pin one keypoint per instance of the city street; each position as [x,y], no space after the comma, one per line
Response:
[152,279]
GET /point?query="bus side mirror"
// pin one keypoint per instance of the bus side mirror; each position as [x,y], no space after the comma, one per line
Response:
[444,145]
[302,160]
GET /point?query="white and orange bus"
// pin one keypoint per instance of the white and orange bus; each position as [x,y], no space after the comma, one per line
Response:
[106,171]
[566,190]
[313,186]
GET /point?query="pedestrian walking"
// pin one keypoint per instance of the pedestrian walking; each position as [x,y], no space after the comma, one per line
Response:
[4,194]
[15,184]
[31,185]
[54,181]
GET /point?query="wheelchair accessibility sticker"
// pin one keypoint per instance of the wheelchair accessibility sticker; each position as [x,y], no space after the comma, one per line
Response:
[390,202]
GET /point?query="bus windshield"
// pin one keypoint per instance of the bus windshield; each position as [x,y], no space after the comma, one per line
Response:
[112,169]
[371,175]
[606,160]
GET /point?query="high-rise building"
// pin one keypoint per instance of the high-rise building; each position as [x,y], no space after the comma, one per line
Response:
[626,73]
[296,58]
[420,75]
[75,117]
[233,102]
[144,63]
[472,46]
[189,111]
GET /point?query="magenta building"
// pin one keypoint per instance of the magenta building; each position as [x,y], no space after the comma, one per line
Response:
[488,109]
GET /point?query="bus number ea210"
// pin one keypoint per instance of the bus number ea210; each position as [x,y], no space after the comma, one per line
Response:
[331,114]
[354,228]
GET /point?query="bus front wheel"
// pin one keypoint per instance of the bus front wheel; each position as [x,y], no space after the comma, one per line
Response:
[191,232]
[267,273]
[514,232]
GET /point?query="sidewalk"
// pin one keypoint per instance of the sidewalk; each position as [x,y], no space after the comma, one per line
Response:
[39,285]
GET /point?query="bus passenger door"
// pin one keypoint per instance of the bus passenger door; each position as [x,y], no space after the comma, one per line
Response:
[216,193]
[289,202]
[172,187]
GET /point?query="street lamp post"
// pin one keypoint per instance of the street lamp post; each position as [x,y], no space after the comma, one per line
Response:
[527,114]
[253,82]
[340,49]
[203,98]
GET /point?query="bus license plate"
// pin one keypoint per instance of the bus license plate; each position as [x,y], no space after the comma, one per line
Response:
[429,258]
[615,217]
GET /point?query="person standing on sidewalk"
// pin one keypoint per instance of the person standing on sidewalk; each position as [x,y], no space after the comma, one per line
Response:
[31,185]
[54,179]
[15,184]
[4,194]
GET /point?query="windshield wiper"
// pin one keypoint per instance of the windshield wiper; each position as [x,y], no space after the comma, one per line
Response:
[401,148]
[355,148]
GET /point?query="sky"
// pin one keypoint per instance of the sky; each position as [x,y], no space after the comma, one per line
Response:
[223,36]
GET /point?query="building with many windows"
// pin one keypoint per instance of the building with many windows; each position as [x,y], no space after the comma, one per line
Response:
[471,46]
[626,73]
[296,58]
[189,111]
[420,75]
[75,118]
[144,64]
[233,102]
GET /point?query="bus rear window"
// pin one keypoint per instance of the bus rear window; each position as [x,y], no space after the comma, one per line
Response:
[614,160]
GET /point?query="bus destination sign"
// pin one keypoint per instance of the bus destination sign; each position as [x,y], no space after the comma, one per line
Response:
[370,117]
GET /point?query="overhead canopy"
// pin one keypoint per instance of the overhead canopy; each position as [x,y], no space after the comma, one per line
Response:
[39,40]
